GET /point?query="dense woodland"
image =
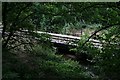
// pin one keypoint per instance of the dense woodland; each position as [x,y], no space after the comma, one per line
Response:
[29,55]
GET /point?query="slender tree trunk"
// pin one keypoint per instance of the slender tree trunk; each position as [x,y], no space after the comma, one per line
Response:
[4,19]
[13,26]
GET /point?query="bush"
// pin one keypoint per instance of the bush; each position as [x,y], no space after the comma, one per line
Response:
[55,66]
[49,66]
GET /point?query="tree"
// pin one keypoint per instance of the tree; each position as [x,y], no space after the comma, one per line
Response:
[21,19]
[15,18]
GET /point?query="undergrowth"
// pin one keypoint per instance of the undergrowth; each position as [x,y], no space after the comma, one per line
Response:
[41,63]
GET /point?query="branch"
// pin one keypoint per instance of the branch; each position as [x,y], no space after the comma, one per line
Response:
[26,17]
[17,17]
[13,26]
[103,28]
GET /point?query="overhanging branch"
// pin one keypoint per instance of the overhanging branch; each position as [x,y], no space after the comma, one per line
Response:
[14,25]
[103,28]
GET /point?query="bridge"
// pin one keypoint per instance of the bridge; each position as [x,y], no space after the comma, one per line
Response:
[68,39]
[64,43]
[62,39]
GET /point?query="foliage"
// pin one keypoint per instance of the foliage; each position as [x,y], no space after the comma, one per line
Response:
[21,20]
[106,58]
[56,66]
[49,66]
[109,55]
